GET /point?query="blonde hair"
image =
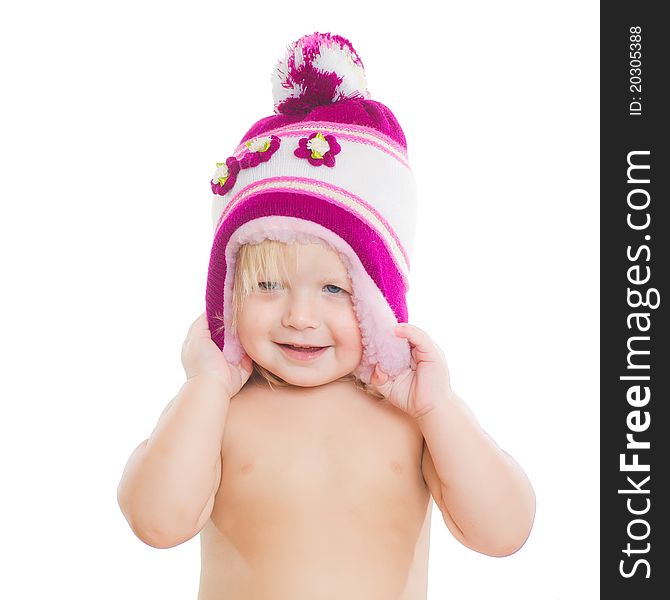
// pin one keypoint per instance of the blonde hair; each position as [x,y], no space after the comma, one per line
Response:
[267,261]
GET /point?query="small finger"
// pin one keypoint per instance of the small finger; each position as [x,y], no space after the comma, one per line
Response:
[195,323]
[380,377]
[202,323]
[417,337]
[381,382]
[412,362]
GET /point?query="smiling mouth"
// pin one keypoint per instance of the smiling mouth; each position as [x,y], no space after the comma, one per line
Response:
[305,349]
[302,353]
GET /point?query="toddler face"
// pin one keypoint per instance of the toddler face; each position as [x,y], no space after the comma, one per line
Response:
[305,331]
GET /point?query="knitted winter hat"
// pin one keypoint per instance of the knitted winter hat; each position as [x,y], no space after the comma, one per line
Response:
[329,166]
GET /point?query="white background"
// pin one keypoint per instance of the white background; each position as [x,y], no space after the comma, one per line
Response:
[113,115]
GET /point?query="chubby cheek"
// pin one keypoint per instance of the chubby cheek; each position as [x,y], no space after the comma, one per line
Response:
[349,338]
[252,328]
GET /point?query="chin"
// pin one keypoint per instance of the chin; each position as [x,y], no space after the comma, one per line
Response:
[306,380]
[306,377]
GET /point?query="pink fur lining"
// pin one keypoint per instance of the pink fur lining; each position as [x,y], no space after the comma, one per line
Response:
[375,317]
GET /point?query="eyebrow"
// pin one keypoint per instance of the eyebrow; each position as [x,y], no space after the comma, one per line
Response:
[336,278]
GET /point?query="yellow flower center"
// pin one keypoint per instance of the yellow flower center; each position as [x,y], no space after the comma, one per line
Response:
[221,173]
[318,145]
[259,145]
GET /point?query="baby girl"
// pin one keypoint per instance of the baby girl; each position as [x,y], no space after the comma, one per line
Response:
[315,424]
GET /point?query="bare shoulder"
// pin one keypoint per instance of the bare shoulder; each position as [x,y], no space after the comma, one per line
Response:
[252,389]
[258,406]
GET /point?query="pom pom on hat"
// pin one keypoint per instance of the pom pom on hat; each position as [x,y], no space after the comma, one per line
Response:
[318,69]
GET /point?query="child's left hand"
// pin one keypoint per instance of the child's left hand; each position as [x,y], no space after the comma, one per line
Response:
[425,384]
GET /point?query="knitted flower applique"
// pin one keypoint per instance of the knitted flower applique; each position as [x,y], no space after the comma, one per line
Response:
[318,150]
[260,150]
[225,176]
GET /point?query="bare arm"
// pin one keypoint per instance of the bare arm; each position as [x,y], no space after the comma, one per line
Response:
[485,497]
[171,478]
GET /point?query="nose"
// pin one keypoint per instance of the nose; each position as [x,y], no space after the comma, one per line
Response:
[301,312]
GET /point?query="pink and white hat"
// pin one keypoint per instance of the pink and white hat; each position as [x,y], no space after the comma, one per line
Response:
[330,166]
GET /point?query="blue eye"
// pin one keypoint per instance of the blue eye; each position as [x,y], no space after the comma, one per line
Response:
[337,289]
[269,286]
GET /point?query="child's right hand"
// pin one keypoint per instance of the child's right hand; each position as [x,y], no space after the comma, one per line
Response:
[201,356]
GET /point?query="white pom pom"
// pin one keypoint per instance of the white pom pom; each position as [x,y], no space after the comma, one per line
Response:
[318,69]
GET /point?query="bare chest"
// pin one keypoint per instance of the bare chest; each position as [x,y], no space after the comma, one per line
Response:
[287,458]
[312,481]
